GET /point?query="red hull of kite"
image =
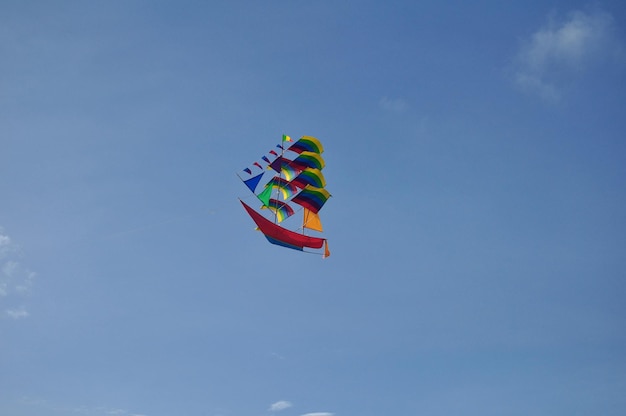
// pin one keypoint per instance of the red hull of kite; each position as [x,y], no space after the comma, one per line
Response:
[280,235]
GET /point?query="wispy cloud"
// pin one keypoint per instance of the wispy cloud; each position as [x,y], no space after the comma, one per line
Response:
[564,47]
[395,105]
[5,242]
[17,313]
[15,279]
[318,414]
[280,405]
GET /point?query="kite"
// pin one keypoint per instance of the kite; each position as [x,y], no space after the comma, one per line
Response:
[291,182]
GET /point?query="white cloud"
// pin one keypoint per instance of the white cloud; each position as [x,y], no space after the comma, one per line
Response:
[26,282]
[5,244]
[9,268]
[395,105]
[318,414]
[280,405]
[17,313]
[566,47]
[15,280]
[534,83]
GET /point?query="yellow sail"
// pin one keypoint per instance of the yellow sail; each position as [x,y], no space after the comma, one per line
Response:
[311,220]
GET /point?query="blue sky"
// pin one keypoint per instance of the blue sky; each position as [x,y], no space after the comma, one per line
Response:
[476,157]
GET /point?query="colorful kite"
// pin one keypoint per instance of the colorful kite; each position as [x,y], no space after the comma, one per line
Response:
[297,181]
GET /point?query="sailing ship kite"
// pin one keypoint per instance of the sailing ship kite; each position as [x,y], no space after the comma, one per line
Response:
[296,185]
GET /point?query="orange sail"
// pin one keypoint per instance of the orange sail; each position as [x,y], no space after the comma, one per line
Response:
[311,220]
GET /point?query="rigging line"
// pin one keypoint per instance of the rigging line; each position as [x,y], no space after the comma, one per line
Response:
[313,252]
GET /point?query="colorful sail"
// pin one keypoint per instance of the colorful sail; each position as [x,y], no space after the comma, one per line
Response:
[312,198]
[281,185]
[281,209]
[309,176]
[293,182]
[307,144]
[304,160]
[288,171]
[308,160]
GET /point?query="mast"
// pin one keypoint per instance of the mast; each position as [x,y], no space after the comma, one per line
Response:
[280,175]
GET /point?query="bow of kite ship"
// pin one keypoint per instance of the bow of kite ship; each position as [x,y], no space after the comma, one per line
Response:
[296,180]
